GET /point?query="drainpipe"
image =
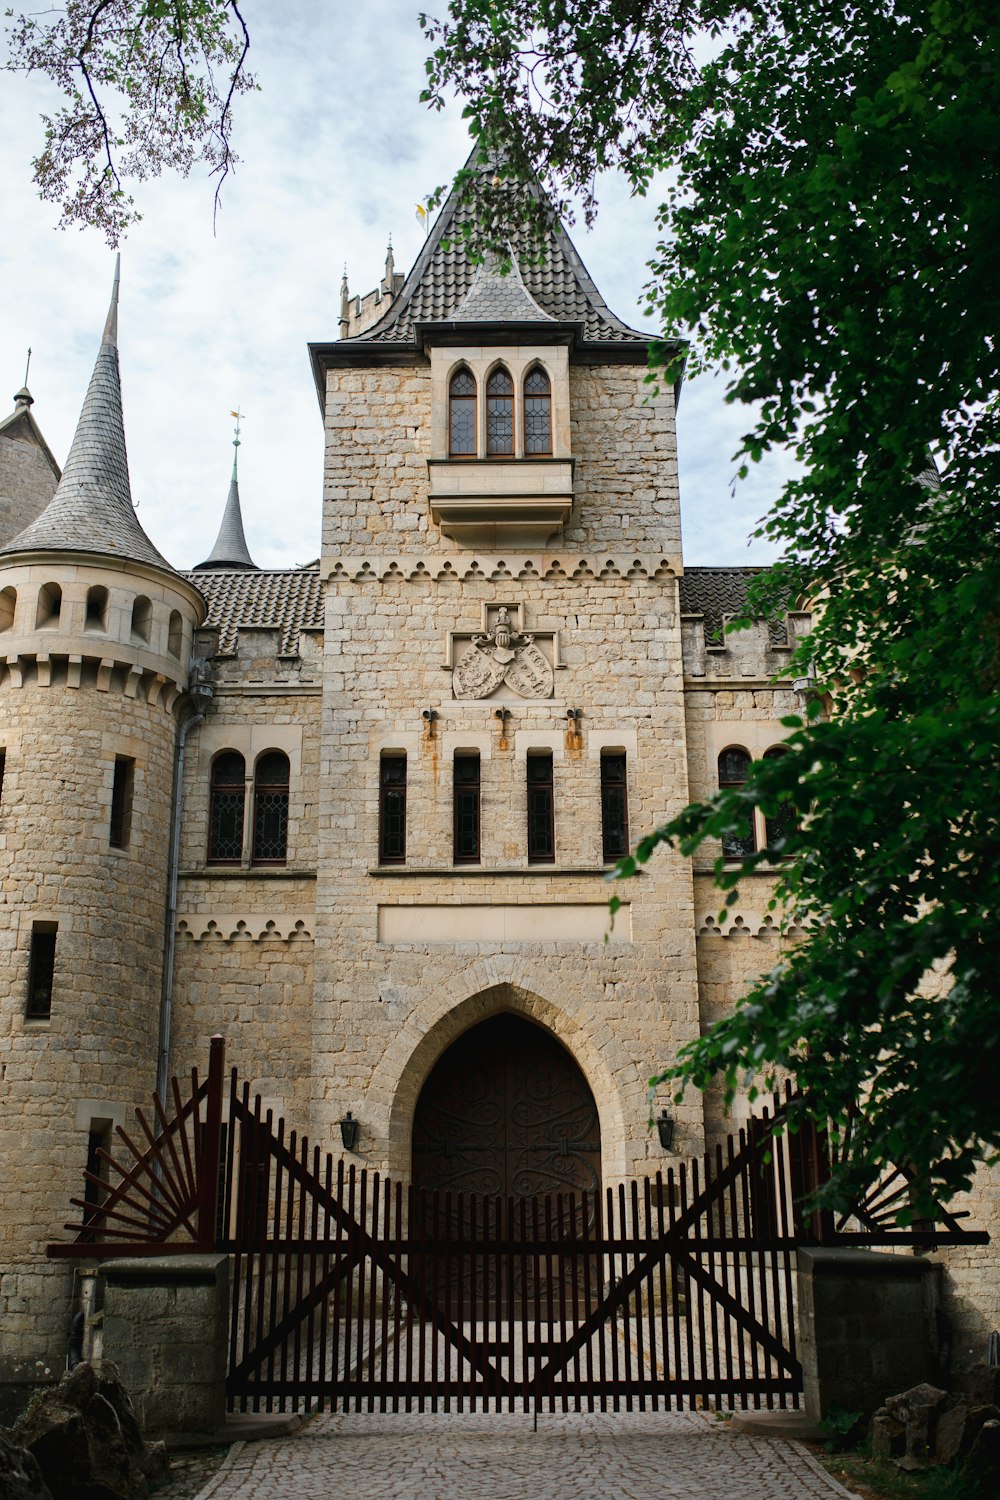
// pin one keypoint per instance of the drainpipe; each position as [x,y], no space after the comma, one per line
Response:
[201,693]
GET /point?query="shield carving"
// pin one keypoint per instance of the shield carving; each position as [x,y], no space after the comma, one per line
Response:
[477,674]
[530,673]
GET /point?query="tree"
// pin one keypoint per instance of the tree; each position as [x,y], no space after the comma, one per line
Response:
[829,240]
[139,80]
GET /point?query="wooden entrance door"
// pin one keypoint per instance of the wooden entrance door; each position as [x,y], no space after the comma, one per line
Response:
[506,1115]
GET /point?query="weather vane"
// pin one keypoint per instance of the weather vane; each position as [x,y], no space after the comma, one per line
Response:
[239,415]
[27,366]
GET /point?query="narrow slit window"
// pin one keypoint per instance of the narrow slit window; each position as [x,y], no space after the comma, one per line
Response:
[614,805]
[462,415]
[95,1192]
[782,823]
[41,970]
[3,767]
[500,413]
[734,764]
[537,412]
[226,802]
[121,802]
[392,810]
[541,810]
[270,809]
[466,801]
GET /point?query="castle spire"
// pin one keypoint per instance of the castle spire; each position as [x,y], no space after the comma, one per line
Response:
[230,550]
[91,510]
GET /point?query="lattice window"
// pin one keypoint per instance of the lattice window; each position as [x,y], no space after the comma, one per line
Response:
[614,805]
[392,810]
[734,764]
[462,415]
[541,810]
[270,809]
[466,799]
[500,413]
[782,823]
[225,818]
[537,412]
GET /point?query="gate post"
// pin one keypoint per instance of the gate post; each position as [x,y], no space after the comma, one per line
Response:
[208,1175]
[867,1327]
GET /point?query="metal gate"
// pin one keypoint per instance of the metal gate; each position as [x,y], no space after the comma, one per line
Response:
[350,1290]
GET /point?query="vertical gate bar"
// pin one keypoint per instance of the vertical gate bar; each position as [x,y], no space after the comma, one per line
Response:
[329,1332]
[388,1293]
[347,1320]
[705,1364]
[777,1257]
[627,1239]
[738,1279]
[475,1381]
[359,1318]
[448,1254]
[751,1260]
[228,1226]
[208,1160]
[315,1384]
[397,1295]
[693,1372]
[509,1235]
[713,1231]
[253,1280]
[286,1289]
[273,1219]
[640,1361]
[461,1228]
[561,1257]
[600,1234]
[373,1283]
[574,1261]
[675,1291]
[651,1294]
[785,1323]
[337,1393]
[764,1251]
[416,1290]
[612,1239]
[422,1204]
[588,1294]
[725,1259]
[497,1302]
[241,1271]
[435,1291]
[537,1300]
[545,1340]
[300,1253]
[264,1213]
[522,1364]
[772,1234]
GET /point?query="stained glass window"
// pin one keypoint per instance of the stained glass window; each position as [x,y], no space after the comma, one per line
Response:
[462,415]
[500,413]
[733,766]
[537,412]
[225,816]
[270,809]
[614,805]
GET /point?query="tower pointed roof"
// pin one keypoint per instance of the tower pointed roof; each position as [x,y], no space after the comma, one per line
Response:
[230,550]
[91,510]
[444,278]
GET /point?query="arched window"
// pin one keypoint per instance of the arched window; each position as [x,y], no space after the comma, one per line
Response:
[8,604]
[270,809]
[225,813]
[49,606]
[142,618]
[97,609]
[537,412]
[734,764]
[175,633]
[500,413]
[781,824]
[462,415]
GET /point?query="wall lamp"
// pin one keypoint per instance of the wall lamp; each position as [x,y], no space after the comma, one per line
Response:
[430,716]
[503,714]
[664,1127]
[574,715]
[349,1131]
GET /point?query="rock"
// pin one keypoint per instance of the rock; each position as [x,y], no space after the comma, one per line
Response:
[20,1475]
[888,1436]
[982,1466]
[918,1410]
[87,1441]
[950,1438]
[981,1385]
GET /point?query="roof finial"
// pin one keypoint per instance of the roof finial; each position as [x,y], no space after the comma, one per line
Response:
[27,366]
[239,415]
[111,326]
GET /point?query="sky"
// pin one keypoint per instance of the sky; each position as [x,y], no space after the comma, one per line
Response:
[336,151]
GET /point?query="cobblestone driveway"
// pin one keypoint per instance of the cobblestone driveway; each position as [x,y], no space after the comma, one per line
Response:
[623,1456]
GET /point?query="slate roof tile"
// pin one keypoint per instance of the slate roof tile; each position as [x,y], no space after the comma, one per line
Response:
[285,599]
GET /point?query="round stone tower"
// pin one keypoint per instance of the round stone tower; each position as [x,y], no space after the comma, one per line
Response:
[95,644]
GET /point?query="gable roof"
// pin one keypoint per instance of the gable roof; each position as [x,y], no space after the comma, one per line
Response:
[284,599]
[21,427]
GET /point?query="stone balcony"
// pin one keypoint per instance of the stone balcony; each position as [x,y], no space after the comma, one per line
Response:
[516,502]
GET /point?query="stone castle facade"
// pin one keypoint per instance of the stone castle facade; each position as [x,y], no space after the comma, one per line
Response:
[357,816]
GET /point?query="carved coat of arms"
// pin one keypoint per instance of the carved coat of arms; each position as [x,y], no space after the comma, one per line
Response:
[503,655]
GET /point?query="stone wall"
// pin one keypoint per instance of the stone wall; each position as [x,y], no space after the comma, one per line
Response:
[27,481]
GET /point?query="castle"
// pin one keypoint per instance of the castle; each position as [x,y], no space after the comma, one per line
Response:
[357,816]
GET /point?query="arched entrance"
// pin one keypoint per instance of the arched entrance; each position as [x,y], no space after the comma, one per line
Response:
[506,1111]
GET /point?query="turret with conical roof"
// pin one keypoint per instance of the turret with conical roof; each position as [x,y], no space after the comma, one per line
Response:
[95,640]
[29,472]
[230,549]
